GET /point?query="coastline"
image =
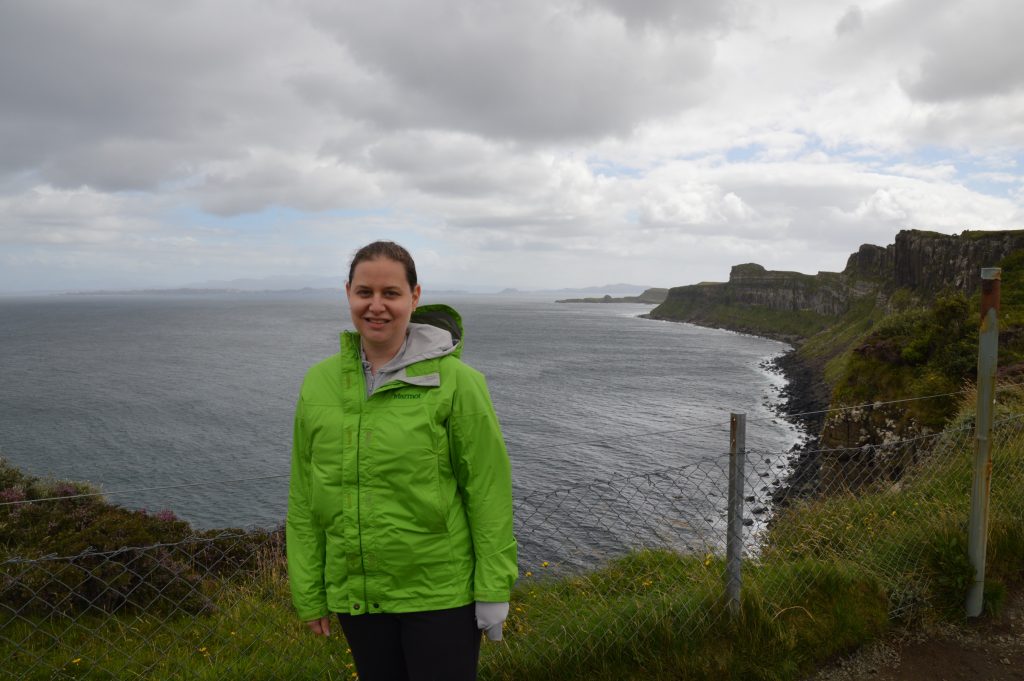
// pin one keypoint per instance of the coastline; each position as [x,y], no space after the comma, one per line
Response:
[803,401]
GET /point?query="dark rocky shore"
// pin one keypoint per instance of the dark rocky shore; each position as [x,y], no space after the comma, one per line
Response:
[803,400]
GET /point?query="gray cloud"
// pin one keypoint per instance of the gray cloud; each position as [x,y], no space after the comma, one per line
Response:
[524,70]
[127,96]
[851,21]
[278,179]
[941,50]
[975,51]
[684,15]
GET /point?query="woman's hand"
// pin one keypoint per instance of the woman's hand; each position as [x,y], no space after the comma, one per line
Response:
[320,627]
[490,617]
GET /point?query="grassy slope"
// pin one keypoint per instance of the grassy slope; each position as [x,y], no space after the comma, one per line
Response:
[745,318]
[923,348]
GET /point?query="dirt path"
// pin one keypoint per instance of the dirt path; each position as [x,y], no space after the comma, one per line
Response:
[989,649]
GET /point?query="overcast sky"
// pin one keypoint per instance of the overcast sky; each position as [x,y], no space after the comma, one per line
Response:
[534,143]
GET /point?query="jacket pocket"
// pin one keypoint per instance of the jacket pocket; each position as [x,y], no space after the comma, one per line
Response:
[417,505]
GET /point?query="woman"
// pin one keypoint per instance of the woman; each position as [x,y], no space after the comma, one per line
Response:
[400,503]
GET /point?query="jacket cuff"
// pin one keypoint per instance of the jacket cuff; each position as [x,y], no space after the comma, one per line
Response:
[491,596]
[310,615]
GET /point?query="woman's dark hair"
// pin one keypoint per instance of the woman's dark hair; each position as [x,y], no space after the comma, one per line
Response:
[389,250]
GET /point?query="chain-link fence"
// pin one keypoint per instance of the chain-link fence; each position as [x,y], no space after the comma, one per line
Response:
[610,568]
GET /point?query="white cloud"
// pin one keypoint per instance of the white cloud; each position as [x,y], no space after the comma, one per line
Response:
[45,215]
[531,144]
[270,177]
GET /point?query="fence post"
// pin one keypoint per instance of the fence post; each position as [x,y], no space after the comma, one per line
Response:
[988,346]
[734,535]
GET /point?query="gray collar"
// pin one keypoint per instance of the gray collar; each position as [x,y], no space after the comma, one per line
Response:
[422,341]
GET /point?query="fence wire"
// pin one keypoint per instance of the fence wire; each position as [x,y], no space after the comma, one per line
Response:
[630,561]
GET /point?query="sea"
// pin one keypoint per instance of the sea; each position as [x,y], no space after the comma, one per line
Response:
[184,402]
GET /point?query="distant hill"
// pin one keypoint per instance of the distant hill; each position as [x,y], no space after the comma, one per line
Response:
[589,291]
[652,296]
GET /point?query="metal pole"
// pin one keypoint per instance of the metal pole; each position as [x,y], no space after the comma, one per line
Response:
[734,536]
[988,346]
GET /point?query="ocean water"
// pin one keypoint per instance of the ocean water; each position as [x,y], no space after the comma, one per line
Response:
[185,402]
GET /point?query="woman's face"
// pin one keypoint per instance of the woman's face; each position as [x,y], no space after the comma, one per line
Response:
[381,302]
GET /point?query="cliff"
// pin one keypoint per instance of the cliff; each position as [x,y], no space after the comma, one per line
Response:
[919,263]
[926,262]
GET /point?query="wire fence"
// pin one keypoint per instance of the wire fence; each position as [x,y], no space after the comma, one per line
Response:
[602,563]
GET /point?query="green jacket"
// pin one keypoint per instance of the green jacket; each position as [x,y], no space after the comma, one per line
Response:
[401,501]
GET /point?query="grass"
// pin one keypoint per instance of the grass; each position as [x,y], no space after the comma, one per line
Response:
[252,635]
[650,615]
[789,324]
[911,534]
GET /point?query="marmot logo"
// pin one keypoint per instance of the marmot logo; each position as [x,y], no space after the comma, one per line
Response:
[406,396]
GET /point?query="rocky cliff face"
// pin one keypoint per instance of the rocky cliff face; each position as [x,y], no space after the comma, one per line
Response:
[927,262]
[923,262]
[826,293]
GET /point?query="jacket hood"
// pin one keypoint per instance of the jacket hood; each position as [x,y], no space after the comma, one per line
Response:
[434,331]
[441,317]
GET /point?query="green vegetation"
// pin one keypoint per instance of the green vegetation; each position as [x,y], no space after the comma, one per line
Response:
[789,325]
[978,234]
[830,347]
[77,522]
[251,633]
[917,347]
[658,615]
[921,351]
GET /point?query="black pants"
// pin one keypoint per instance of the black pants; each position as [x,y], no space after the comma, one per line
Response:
[438,645]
